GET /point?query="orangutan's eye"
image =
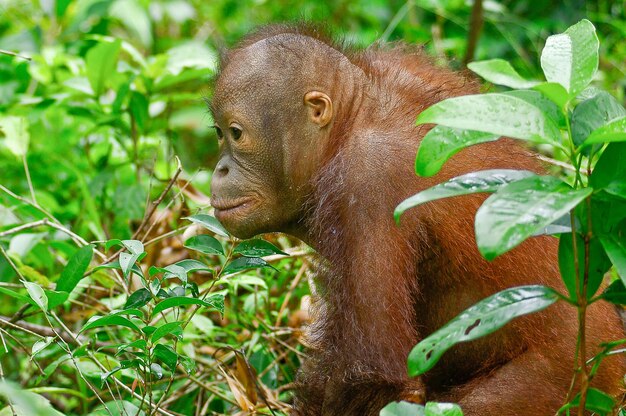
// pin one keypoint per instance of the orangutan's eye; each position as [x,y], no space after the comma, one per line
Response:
[235,132]
[218,131]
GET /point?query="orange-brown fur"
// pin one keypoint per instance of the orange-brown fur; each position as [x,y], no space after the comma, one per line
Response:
[383,287]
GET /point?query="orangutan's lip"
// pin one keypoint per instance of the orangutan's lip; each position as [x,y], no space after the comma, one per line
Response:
[222,208]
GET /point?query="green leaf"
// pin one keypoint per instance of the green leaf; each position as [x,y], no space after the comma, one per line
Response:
[609,173]
[138,106]
[601,116]
[138,299]
[441,143]
[205,243]
[167,355]
[615,293]
[210,223]
[133,246]
[215,301]
[443,409]
[75,269]
[245,263]
[500,114]
[500,72]
[257,248]
[471,183]
[479,320]
[191,265]
[16,134]
[597,401]
[170,328]
[571,58]
[599,264]
[615,131]
[616,250]
[546,105]
[18,296]
[101,61]
[55,298]
[403,409]
[520,209]
[554,92]
[37,294]
[109,320]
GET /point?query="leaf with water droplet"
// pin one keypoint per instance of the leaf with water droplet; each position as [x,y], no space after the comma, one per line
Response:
[520,209]
[479,320]
[571,58]
[471,183]
[499,114]
[500,72]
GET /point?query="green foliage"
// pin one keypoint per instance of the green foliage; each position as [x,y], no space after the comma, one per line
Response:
[591,136]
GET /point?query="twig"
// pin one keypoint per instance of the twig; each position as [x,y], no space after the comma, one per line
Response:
[156,203]
[17,55]
[292,287]
[476,26]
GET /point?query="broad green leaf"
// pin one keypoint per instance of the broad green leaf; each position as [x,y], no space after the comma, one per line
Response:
[133,246]
[138,106]
[616,250]
[205,243]
[109,320]
[22,298]
[257,248]
[615,293]
[191,265]
[138,298]
[215,301]
[571,58]
[609,173]
[443,409]
[499,114]
[615,131]
[554,92]
[560,226]
[55,298]
[167,355]
[25,403]
[210,223]
[170,328]
[37,294]
[520,209]
[471,183]
[75,269]
[546,105]
[601,116]
[597,401]
[599,264]
[500,72]
[245,263]
[403,409]
[479,320]
[441,143]
[101,63]
[127,262]
[16,134]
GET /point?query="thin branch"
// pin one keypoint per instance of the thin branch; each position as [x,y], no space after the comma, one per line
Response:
[17,55]
[476,26]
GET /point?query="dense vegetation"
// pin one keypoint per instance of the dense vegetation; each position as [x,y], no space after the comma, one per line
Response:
[105,156]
